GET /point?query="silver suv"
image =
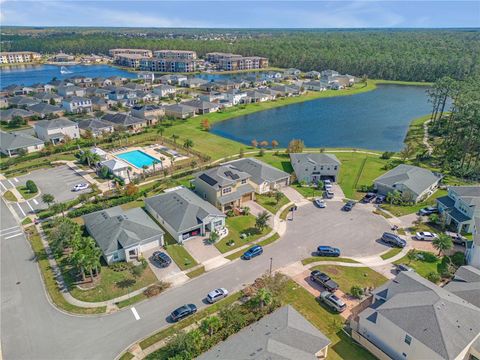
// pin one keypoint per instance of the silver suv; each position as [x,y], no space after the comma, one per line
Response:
[332,301]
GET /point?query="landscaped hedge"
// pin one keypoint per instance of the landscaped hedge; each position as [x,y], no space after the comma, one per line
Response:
[92,207]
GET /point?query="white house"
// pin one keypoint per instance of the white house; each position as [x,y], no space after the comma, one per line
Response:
[116,167]
[473,253]
[164,90]
[236,96]
[56,130]
[12,143]
[461,206]
[77,105]
[312,167]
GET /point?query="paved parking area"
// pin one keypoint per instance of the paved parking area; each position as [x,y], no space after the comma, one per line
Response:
[356,233]
[201,250]
[161,273]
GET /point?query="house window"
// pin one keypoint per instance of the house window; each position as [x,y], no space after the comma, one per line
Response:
[335,168]
[227,190]
[404,355]
[244,181]
[115,256]
[321,167]
[408,339]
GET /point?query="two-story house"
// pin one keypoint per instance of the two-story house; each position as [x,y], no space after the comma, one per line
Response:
[76,105]
[460,206]
[56,130]
[71,90]
[165,90]
[224,187]
[313,167]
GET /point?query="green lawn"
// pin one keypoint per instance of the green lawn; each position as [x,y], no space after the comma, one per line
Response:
[399,210]
[346,277]
[423,268]
[196,272]
[390,253]
[181,256]
[342,347]
[323,258]
[415,134]
[133,300]
[269,202]
[265,242]
[112,284]
[25,192]
[237,225]
[9,196]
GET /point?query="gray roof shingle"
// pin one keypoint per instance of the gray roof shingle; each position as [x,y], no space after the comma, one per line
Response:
[314,158]
[55,123]
[14,141]
[259,171]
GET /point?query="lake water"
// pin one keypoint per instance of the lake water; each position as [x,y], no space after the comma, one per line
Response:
[376,120]
[32,74]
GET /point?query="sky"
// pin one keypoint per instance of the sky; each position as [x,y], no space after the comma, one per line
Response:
[242,14]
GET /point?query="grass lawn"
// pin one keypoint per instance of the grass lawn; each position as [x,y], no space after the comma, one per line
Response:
[265,242]
[49,278]
[423,268]
[25,192]
[415,134]
[113,284]
[9,196]
[390,253]
[196,272]
[342,347]
[269,202]
[237,225]
[279,159]
[307,191]
[346,277]
[323,258]
[181,256]
[132,300]
[399,210]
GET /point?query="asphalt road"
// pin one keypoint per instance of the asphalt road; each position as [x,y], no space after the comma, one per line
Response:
[33,329]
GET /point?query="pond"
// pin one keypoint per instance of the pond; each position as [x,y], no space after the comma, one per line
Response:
[376,120]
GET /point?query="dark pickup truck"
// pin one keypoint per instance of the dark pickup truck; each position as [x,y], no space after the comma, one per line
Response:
[324,280]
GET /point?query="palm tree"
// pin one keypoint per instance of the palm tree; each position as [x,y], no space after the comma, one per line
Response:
[161,130]
[263,297]
[188,143]
[175,137]
[278,196]
[442,243]
[129,169]
[144,168]
[155,162]
[91,256]
[48,199]
[262,220]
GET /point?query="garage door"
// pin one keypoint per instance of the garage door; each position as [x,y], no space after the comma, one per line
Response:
[149,245]
[191,233]
[247,197]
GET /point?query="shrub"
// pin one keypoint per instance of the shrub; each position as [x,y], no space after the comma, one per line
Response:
[387,155]
[230,213]
[356,291]
[156,289]
[138,270]
[119,266]
[230,243]
[433,276]
[458,259]
[31,186]
[427,256]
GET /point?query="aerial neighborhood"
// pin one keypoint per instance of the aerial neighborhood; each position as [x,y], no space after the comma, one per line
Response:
[200,195]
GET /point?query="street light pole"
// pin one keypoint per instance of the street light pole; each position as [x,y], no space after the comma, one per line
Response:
[271,263]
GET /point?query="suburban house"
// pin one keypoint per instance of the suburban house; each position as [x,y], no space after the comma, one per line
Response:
[254,96]
[3,102]
[56,130]
[179,111]
[473,252]
[313,75]
[284,334]
[414,183]
[312,167]
[183,214]
[202,107]
[129,122]
[466,284]
[44,109]
[22,101]
[264,177]
[292,72]
[172,79]
[12,143]
[123,234]
[97,127]
[236,96]
[48,97]
[116,167]
[99,103]
[460,206]
[150,112]
[410,317]
[71,90]
[76,105]
[224,187]
[8,114]
[315,85]
[194,83]
[165,90]
[287,90]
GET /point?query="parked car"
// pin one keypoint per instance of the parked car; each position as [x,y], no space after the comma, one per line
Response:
[348,206]
[393,240]
[328,194]
[403,267]
[324,280]
[327,251]
[79,187]
[427,211]
[183,312]
[425,236]
[327,186]
[368,197]
[252,252]
[320,203]
[380,199]
[217,294]
[161,259]
[457,238]
[327,182]
[332,301]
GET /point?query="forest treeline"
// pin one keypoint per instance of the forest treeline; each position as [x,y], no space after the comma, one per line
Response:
[410,55]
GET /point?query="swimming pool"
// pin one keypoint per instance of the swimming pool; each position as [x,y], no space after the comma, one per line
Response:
[138,158]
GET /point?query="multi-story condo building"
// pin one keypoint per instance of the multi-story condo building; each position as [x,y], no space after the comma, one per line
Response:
[19,57]
[168,65]
[215,57]
[142,52]
[129,60]
[228,61]
[176,54]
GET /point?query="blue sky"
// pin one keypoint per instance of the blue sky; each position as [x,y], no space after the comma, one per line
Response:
[242,14]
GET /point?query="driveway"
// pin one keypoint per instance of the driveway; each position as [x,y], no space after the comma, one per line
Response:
[256,209]
[161,273]
[292,194]
[356,233]
[200,249]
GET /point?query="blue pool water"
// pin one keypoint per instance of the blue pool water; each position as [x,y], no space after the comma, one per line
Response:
[138,158]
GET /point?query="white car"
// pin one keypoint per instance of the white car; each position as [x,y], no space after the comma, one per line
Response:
[320,203]
[80,187]
[425,235]
[328,186]
[327,182]
[217,294]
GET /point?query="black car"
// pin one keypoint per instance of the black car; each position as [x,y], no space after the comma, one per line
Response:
[368,197]
[393,240]
[379,199]
[327,251]
[161,259]
[348,206]
[183,312]
[324,280]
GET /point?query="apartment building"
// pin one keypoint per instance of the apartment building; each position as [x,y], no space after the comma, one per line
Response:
[19,57]
[168,65]
[176,54]
[129,60]
[243,63]
[142,52]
